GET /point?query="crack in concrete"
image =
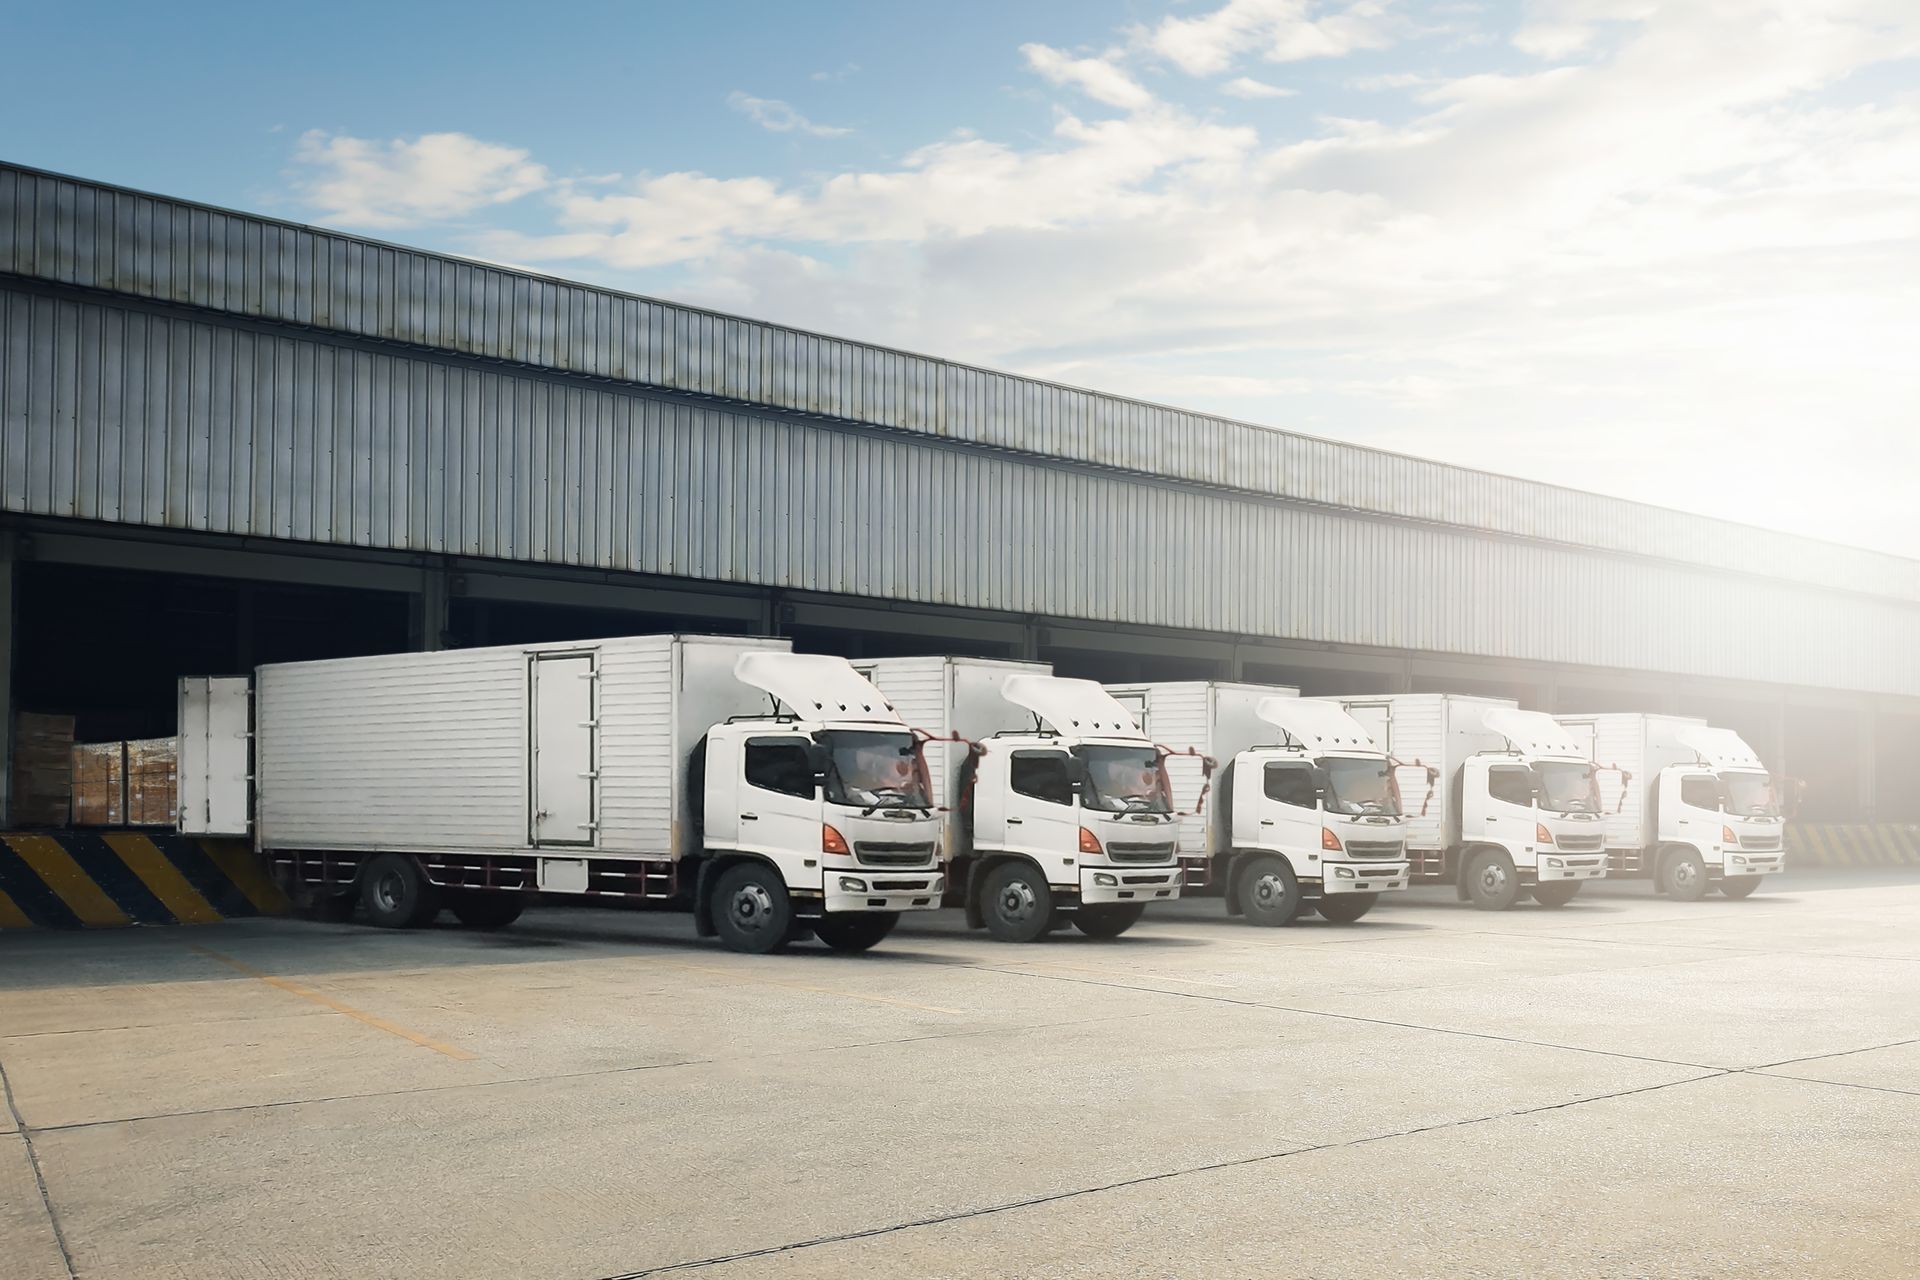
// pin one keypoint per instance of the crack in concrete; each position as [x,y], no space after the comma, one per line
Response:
[39,1177]
[1166,1175]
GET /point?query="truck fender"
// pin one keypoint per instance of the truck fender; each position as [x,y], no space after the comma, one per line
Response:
[976,871]
[703,899]
[1230,886]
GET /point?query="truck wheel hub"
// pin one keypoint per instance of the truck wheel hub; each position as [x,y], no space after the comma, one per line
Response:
[1267,890]
[1017,901]
[752,905]
[1494,878]
[388,891]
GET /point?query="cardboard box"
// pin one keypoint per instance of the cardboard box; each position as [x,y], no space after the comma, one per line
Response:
[99,784]
[153,781]
[42,770]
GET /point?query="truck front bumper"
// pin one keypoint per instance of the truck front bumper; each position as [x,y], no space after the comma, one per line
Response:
[1364,877]
[1752,864]
[1130,884]
[1570,866]
[869,890]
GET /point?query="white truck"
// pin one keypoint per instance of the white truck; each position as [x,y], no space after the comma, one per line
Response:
[1304,816]
[768,792]
[1507,800]
[1686,804]
[1059,807]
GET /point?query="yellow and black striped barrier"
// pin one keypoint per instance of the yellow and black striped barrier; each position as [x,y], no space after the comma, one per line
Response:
[1855,844]
[112,879]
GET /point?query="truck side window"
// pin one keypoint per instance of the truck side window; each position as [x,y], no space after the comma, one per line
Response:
[1291,784]
[779,764]
[1699,791]
[1042,775]
[1510,783]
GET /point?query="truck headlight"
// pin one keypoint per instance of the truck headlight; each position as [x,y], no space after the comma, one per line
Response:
[852,884]
[1106,881]
[1738,861]
[1343,873]
[1556,863]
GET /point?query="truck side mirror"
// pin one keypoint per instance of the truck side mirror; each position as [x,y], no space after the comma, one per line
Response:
[819,762]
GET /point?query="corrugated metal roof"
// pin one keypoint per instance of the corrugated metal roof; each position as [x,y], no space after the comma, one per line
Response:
[187,421]
[94,236]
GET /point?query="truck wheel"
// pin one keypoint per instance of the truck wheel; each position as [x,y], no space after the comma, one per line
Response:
[1345,908]
[1740,887]
[1556,893]
[854,930]
[1108,919]
[1684,876]
[751,910]
[487,910]
[397,893]
[1492,883]
[1269,894]
[1016,903]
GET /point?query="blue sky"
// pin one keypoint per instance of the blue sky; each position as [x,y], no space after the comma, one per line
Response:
[1665,251]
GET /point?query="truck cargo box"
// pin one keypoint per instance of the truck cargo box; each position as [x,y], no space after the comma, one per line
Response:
[514,749]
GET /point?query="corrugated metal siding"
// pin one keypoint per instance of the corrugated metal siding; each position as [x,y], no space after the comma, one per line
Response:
[122,415]
[88,235]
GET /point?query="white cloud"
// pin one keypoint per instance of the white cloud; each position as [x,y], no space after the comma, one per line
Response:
[841,73]
[1099,78]
[1679,270]
[776,116]
[1277,30]
[1247,87]
[401,182]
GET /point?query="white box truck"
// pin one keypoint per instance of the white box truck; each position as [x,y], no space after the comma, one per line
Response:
[1059,807]
[768,792]
[1507,802]
[1304,814]
[1688,805]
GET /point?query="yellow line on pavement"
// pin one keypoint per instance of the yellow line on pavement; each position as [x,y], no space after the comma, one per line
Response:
[145,860]
[801,986]
[328,1002]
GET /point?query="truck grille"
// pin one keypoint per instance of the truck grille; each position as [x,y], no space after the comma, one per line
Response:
[1759,842]
[1579,844]
[892,853]
[1376,849]
[1136,851]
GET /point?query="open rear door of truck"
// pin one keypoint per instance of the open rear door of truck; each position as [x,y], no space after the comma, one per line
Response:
[216,754]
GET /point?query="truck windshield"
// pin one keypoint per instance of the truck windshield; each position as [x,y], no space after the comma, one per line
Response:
[1751,794]
[1359,786]
[873,769]
[1124,780]
[1567,787]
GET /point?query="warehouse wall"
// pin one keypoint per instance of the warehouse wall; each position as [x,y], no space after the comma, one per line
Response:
[118,414]
[85,235]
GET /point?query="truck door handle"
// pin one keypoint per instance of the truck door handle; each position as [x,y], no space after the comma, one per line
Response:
[1014,822]
[1266,822]
[1493,819]
[749,817]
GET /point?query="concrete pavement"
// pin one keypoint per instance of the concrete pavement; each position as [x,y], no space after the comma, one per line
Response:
[1626,1086]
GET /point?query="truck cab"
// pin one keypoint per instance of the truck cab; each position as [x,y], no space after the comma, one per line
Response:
[1070,820]
[1718,817]
[1530,816]
[829,788]
[1315,821]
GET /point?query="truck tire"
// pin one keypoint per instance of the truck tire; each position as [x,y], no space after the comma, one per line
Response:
[487,910]
[1269,895]
[1108,919]
[751,910]
[1345,908]
[1015,903]
[1683,874]
[1492,883]
[853,931]
[397,893]
[1556,893]
[1740,886]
